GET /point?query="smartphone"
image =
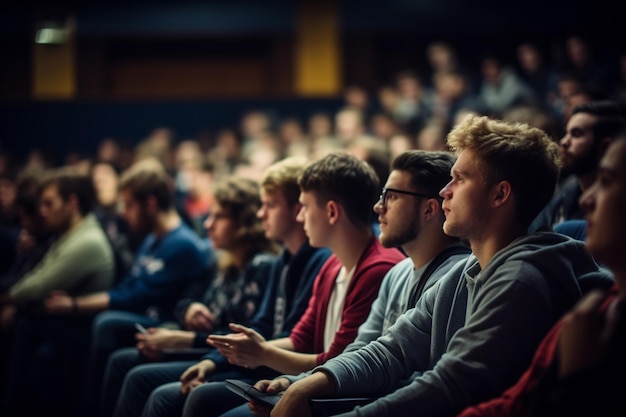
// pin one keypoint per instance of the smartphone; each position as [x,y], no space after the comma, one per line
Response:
[141,328]
[249,392]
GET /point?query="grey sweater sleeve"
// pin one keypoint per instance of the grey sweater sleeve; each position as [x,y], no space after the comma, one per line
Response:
[482,359]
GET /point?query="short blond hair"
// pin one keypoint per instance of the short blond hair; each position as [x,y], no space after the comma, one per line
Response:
[282,176]
[516,152]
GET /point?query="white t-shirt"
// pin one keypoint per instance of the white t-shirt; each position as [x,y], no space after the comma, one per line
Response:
[335,305]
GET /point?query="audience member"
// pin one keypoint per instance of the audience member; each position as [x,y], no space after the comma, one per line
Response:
[432,137]
[293,138]
[441,57]
[321,136]
[357,97]
[414,104]
[589,132]
[125,243]
[451,94]
[66,202]
[577,368]
[500,87]
[582,60]
[226,154]
[536,72]
[349,125]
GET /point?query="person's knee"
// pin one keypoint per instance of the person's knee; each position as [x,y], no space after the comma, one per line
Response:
[165,400]
[197,400]
[123,359]
[137,377]
[214,396]
[103,325]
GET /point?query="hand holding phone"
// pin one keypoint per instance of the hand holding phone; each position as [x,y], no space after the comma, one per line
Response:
[141,328]
[249,392]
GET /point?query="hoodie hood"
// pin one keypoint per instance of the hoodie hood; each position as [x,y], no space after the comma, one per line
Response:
[560,258]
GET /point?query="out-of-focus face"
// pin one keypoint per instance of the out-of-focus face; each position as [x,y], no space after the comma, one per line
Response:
[491,70]
[577,148]
[399,214]
[277,218]
[605,204]
[221,227]
[105,181]
[348,125]
[409,88]
[55,212]
[135,213]
[465,199]
[528,58]
[320,125]
[314,218]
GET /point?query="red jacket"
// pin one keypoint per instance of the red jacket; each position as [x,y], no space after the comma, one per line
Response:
[308,333]
[514,401]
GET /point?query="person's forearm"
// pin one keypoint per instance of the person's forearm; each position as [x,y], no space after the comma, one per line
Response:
[93,303]
[183,338]
[286,361]
[317,385]
[283,343]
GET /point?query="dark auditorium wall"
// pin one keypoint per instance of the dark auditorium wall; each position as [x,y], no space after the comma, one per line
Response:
[219,58]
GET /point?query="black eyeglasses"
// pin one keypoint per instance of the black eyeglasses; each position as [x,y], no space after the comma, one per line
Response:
[383,196]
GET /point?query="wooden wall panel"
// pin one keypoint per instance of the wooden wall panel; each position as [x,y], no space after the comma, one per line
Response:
[189,78]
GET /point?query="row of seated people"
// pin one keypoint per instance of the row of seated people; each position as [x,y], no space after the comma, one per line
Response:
[474,333]
[334,208]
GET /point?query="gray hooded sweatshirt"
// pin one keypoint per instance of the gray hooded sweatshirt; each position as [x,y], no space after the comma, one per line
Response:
[469,337]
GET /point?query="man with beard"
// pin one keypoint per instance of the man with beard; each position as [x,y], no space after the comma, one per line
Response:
[589,131]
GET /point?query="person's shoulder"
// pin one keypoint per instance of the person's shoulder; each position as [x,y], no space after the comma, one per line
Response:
[91,235]
[398,273]
[183,233]
[308,253]
[402,267]
[183,239]
[263,259]
[545,255]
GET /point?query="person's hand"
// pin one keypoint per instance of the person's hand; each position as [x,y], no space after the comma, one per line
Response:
[58,302]
[245,347]
[196,375]
[271,386]
[151,344]
[199,318]
[586,334]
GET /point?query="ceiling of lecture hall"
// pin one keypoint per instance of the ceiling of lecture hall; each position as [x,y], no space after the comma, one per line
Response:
[186,17]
